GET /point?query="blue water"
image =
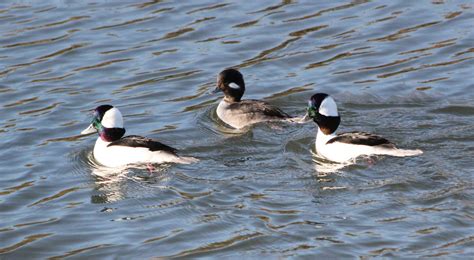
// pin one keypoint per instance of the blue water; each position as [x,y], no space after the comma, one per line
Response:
[402,69]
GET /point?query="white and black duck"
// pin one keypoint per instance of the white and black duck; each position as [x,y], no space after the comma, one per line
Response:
[112,149]
[346,146]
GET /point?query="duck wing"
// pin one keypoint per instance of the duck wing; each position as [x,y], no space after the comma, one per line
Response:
[361,138]
[140,141]
[257,106]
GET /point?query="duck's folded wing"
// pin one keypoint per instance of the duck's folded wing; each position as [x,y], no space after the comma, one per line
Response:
[258,106]
[361,138]
[139,141]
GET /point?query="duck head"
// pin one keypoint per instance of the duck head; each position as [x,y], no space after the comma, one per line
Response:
[231,82]
[107,121]
[323,110]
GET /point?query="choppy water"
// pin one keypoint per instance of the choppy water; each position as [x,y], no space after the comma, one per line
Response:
[403,69]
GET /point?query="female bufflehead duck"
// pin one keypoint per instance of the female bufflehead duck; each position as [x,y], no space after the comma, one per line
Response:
[345,146]
[241,113]
[112,149]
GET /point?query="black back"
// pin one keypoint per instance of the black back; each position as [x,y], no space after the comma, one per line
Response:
[361,138]
[139,141]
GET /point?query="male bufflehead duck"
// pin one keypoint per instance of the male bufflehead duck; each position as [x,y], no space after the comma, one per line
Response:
[112,149]
[346,146]
[241,113]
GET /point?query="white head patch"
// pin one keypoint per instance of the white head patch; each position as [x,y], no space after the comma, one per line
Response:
[328,107]
[234,86]
[112,118]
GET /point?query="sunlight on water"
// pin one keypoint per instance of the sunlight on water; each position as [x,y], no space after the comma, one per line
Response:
[402,69]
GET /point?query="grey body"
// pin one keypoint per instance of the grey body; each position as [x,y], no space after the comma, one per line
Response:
[247,112]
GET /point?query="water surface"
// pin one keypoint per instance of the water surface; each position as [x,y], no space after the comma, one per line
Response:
[402,69]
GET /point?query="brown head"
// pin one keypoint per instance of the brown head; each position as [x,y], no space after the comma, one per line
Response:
[231,82]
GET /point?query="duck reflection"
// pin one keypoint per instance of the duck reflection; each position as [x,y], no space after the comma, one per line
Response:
[115,184]
[324,167]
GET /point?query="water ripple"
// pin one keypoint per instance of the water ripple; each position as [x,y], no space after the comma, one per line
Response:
[400,69]
[27,240]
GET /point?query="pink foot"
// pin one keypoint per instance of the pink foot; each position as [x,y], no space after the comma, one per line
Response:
[370,161]
[150,168]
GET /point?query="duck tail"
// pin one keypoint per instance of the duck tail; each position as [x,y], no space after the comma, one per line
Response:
[187,160]
[404,153]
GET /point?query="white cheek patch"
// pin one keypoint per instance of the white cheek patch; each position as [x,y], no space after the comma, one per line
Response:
[112,118]
[328,107]
[234,86]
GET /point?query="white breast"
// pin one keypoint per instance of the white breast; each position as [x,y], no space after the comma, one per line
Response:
[342,152]
[230,117]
